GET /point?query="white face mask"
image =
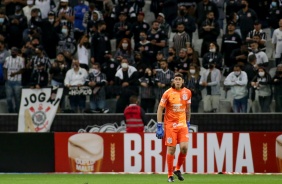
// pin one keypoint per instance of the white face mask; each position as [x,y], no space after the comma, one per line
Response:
[51,20]
[65,31]
[124,65]
[29,2]
[124,45]
[237,73]
[212,50]
[192,71]
[261,74]
[95,71]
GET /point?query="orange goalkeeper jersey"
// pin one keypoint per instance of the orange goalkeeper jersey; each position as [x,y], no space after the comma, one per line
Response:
[175,103]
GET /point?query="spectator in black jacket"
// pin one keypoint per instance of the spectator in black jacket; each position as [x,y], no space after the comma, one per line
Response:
[39,78]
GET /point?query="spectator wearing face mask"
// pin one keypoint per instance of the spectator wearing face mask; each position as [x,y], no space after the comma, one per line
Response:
[277,83]
[238,81]
[18,23]
[66,41]
[213,56]
[192,83]
[50,37]
[97,81]
[274,14]
[122,29]
[138,27]
[210,81]
[124,51]
[126,79]
[209,31]
[146,49]
[262,83]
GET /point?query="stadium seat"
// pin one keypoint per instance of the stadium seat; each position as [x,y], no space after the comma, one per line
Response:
[3,106]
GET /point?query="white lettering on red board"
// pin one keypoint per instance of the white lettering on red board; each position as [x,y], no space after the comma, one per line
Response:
[219,155]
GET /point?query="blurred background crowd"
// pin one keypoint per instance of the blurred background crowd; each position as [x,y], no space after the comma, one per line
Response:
[229,52]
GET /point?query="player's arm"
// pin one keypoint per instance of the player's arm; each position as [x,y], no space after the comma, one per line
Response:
[160,114]
[188,112]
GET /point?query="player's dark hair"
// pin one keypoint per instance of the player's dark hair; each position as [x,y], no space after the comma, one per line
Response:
[177,74]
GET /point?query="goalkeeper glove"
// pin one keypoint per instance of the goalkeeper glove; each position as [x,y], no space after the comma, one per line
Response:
[188,124]
[160,131]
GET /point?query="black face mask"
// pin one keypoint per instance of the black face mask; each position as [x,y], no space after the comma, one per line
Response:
[170,53]
[189,55]
[243,5]
[137,59]
[182,12]
[14,55]
[279,72]
[211,66]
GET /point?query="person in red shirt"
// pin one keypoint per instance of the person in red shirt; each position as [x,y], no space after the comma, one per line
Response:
[176,100]
[134,116]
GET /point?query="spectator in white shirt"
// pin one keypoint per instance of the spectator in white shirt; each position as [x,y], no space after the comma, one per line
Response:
[238,81]
[262,59]
[83,52]
[76,77]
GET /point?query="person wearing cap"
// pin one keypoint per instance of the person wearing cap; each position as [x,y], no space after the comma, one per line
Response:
[122,29]
[210,81]
[230,41]
[188,21]
[79,11]
[247,17]
[257,31]
[109,67]
[39,78]
[100,43]
[17,25]
[137,27]
[163,24]
[50,37]
[65,15]
[13,68]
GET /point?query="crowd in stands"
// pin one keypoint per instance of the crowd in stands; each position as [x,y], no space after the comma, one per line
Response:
[68,44]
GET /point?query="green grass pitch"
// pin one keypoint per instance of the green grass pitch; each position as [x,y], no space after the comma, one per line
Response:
[136,179]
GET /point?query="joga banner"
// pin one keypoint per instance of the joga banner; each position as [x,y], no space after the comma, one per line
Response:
[38,109]
[207,153]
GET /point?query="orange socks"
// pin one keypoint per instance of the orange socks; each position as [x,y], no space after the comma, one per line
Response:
[180,161]
[169,159]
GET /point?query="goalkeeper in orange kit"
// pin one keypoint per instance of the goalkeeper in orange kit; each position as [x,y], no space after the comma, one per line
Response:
[176,100]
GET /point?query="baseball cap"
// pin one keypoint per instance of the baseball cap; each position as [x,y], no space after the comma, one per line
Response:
[40,47]
[162,15]
[231,23]
[257,22]
[18,7]
[66,1]
[51,13]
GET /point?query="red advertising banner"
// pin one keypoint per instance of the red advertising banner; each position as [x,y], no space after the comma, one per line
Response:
[130,152]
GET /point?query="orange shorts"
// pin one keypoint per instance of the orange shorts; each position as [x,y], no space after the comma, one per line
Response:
[174,136]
